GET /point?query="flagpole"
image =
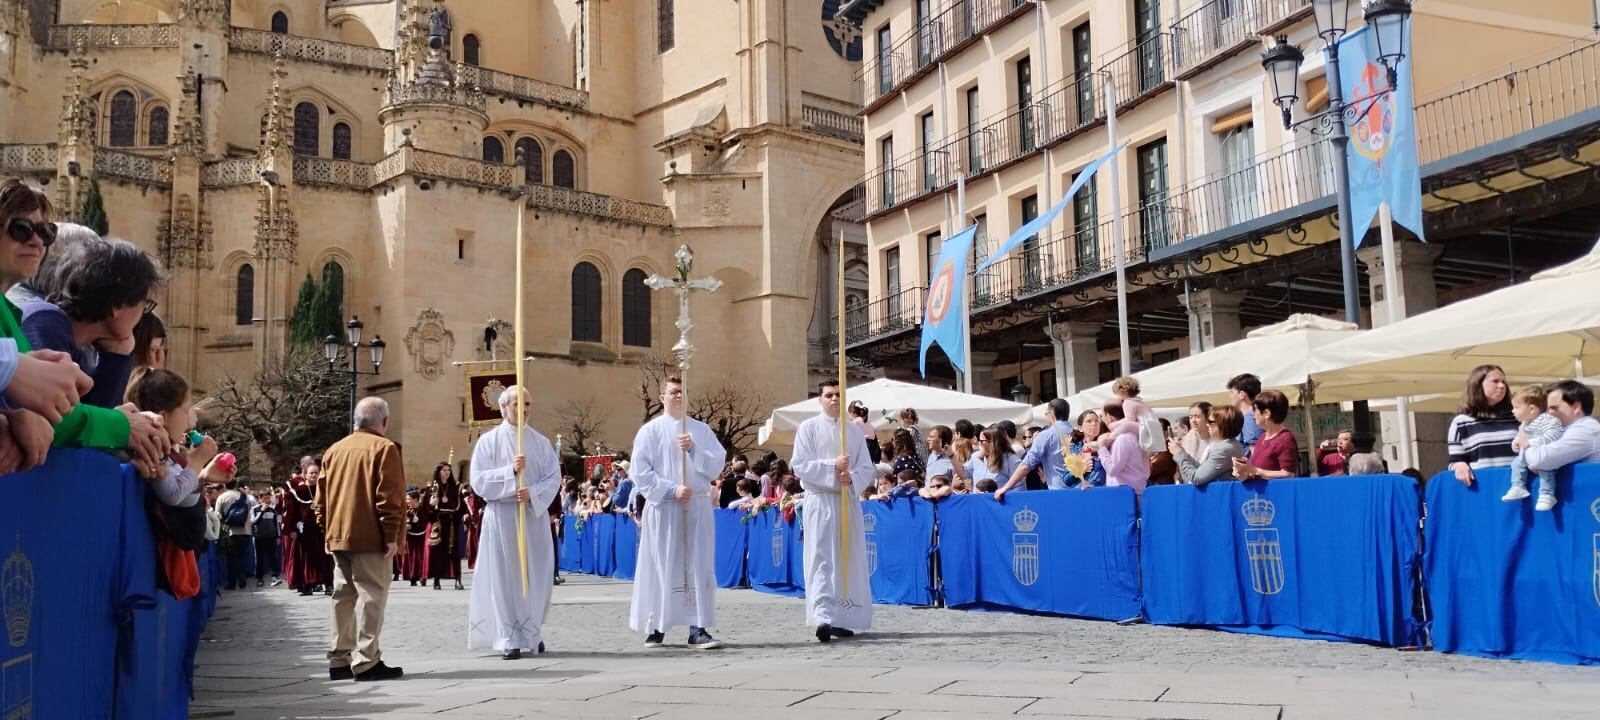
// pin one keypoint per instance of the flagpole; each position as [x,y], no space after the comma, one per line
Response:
[1117,241]
[1396,313]
[522,391]
[844,514]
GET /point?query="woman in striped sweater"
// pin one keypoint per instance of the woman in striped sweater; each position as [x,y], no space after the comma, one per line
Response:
[1481,434]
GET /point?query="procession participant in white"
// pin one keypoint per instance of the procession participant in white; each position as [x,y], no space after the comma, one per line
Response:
[500,615]
[675,581]
[838,586]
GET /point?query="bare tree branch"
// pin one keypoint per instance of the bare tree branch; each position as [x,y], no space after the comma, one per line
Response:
[290,407]
[580,423]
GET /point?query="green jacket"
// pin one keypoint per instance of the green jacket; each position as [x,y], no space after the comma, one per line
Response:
[87,425]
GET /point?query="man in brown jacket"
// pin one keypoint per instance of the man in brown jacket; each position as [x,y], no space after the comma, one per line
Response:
[361,506]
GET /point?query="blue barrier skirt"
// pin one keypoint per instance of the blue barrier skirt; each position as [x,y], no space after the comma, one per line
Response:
[775,554]
[604,529]
[571,544]
[1508,582]
[899,536]
[1323,558]
[1064,552]
[731,545]
[626,548]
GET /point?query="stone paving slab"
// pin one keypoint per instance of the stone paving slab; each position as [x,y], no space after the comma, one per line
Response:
[265,660]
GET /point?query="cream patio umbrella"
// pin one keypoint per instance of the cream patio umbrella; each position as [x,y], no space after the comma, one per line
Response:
[886,398]
[1541,330]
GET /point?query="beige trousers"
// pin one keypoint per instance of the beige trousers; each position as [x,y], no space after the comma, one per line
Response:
[360,592]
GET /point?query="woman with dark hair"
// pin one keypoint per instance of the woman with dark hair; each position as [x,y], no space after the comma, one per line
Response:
[905,455]
[1483,429]
[997,461]
[1090,428]
[29,234]
[859,418]
[1276,454]
[307,564]
[150,342]
[87,298]
[444,550]
[1213,460]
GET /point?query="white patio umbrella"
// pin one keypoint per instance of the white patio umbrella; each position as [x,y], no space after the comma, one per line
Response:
[1281,355]
[886,398]
[1541,330]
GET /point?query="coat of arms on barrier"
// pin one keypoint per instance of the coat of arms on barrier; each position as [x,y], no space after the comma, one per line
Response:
[1025,547]
[777,540]
[16,674]
[869,523]
[1594,509]
[1262,546]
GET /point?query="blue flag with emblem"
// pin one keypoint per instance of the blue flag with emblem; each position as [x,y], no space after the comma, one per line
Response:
[1383,136]
[1032,227]
[944,319]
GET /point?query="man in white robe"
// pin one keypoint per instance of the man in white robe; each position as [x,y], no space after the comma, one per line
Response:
[500,616]
[838,586]
[675,581]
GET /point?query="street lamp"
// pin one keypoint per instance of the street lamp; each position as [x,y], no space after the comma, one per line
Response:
[1387,18]
[330,352]
[1020,392]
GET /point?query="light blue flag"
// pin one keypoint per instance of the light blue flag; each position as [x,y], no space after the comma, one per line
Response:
[944,319]
[1383,138]
[1032,227]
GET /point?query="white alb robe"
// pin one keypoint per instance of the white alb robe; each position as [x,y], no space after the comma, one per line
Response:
[816,444]
[499,617]
[675,581]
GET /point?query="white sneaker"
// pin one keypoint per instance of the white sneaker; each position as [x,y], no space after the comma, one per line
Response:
[1516,493]
[1546,502]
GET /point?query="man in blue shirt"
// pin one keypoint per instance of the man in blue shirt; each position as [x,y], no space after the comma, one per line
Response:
[940,461]
[1045,452]
[1243,389]
[624,495]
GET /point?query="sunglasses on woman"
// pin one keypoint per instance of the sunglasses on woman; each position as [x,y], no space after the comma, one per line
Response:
[22,229]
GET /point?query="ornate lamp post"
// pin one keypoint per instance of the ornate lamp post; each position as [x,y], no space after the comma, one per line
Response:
[1387,19]
[330,352]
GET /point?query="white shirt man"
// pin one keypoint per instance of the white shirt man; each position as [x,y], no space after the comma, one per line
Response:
[838,586]
[501,616]
[1572,403]
[674,468]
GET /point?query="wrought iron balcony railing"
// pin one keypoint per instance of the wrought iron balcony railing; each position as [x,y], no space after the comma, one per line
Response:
[1279,181]
[1142,70]
[1074,256]
[1218,28]
[899,309]
[921,47]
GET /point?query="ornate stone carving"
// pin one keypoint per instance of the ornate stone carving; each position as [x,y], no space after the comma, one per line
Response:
[68,37]
[276,134]
[77,111]
[312,50]
[204,12]
[185,236]
[718,205]
[277,233]
[430,344]
[186,140]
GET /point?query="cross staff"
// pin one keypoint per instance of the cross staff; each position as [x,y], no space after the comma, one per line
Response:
[684,350]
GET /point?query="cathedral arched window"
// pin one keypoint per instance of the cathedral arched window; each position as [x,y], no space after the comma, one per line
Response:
[341,141]
[493,150]
[585,303]
[307,129]
[532,159]
[470,48]
[124,119]
[156,127]
[665,37]
[563,170]
[244,295]
[280,23]
[333,284]
[635,309]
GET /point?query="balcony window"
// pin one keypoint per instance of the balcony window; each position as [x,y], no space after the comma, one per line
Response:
[1032,267]
[886,177]
[930,169]
[982,283]
[1082,67]
[934,244]
[1024,71]
[891,283]
[1085,227]
[974,135]
[1153,194]
[925,35]
[885,66]
[1147,16]
[1236,148]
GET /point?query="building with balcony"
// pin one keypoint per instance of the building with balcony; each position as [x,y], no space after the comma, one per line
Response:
[254,145]
[984,111]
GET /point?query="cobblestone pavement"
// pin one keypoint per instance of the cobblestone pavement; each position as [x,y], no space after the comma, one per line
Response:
[262,657]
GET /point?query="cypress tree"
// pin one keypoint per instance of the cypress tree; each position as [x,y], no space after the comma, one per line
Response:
[94,210]
[303,321]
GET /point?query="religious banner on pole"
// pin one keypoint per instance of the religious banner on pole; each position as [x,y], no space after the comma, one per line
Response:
[944,319]
[1033,227]
[483,396]
[1383,135]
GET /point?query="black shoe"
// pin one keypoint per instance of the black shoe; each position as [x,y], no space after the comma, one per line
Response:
[305,592]
[699,639]
[379,672]
[436,584]
[329,591]
[340,673]
[512,654]
[541,647]
[841,632]
[560,580]
[655,639]
[459,586]
[824,632]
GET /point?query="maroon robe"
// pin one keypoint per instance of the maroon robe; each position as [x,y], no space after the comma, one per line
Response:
[474,523]
[306,562]
[443,547]
[414,565]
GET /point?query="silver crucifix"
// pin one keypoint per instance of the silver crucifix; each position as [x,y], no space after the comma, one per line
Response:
[684,350]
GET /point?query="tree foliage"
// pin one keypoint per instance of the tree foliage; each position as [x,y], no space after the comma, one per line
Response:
[291,407]
[319,308]
[580,425]
[93,215]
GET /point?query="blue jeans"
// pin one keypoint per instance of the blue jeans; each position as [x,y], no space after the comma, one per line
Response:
[1519,476]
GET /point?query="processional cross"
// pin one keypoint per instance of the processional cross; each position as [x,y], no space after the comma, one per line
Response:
[683,285]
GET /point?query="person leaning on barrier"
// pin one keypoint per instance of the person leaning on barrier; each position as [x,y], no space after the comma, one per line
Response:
[1572,403]
[1481,434]
[1276,455]
[1214,460]
[43,394]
